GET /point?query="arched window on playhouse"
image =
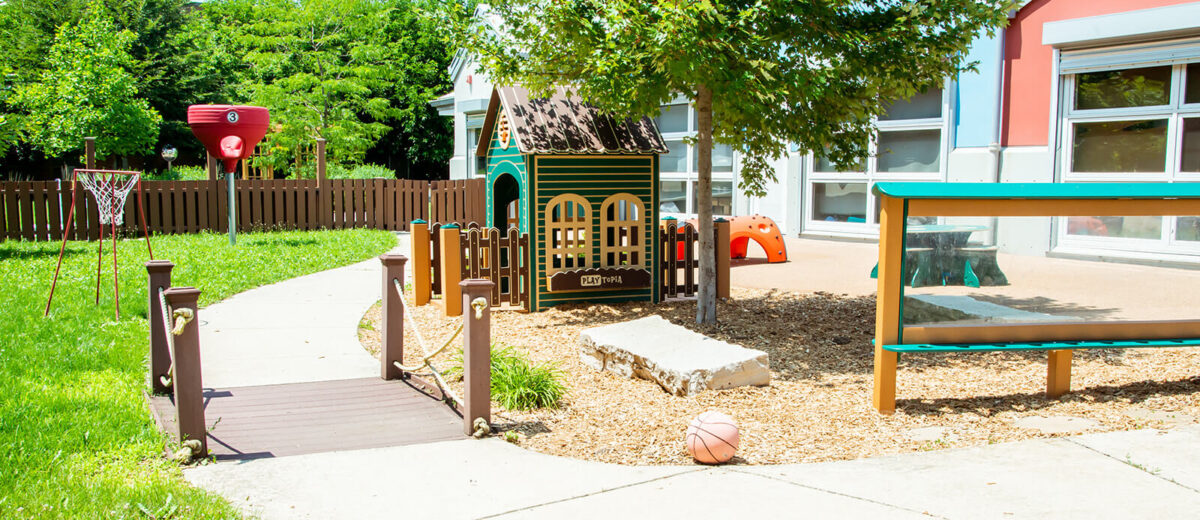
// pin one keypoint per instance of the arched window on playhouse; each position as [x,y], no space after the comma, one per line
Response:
[568,224]
[621,221]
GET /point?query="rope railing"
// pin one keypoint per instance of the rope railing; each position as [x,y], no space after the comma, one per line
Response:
[170,330]
[427,357]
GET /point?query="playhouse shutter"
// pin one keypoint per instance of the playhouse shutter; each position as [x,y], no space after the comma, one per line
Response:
[1127,56]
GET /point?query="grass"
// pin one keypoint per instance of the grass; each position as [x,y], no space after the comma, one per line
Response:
[76,440]
[518,383]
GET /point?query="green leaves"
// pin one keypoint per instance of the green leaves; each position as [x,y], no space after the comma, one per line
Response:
[87,89]
[811,72]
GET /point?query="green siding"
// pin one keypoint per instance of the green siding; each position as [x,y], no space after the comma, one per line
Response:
[507,161]
[595,178]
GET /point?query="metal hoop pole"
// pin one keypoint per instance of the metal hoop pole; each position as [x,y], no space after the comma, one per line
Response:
[232,209]
[62,248]
[99,258]
[116,282]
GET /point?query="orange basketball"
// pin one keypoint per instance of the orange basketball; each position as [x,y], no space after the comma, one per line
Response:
[712,438]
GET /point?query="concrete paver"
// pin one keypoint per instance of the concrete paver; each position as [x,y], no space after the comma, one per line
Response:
[298,330]
[1173,454]
[1051,478]
[445,480]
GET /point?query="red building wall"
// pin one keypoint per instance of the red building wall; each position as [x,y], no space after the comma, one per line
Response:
[1028,63]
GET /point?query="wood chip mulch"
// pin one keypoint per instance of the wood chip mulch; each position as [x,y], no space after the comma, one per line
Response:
[817,407]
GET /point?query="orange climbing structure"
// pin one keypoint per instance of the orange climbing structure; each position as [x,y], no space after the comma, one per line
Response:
[757,228]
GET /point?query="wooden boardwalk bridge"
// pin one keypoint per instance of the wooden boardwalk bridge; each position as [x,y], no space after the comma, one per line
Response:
[298,418]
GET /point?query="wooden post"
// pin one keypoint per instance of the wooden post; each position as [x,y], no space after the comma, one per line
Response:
[1058,373]
[721,228]
[888,302]
[89,152]
[451,258]
[477,351]
[210,166]
[324,194]
[189,389]
[422,288]
[392,348]
[159,272]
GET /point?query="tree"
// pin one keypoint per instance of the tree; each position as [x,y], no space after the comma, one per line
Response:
[87,89]
[815,73]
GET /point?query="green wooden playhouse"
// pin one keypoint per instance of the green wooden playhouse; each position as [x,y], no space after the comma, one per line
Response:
[583,185]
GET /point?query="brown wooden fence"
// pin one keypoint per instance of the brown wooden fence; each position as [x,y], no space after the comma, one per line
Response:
[679,268]
[35,210]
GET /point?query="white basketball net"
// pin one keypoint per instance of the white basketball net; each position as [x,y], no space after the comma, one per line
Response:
[110,191]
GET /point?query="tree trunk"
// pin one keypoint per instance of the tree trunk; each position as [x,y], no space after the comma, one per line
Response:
[706,297]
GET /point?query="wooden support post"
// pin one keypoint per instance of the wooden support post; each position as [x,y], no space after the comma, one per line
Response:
[1058,373]
[210,166]
[422,285]
[392,348]
[721,228]
[324,194]
[477,351]
[159,272]
[89,152]
[888,302]
[189,389]
[451,259]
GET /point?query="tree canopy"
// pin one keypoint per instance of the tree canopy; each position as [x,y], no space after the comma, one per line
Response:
[359,73]
[814,73]
[87,90]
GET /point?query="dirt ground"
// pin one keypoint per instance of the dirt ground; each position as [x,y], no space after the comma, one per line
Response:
[817,407]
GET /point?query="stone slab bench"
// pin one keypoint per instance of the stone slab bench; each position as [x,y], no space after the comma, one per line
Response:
[681,361]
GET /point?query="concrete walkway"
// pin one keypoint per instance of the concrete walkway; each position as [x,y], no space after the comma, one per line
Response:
[305,330]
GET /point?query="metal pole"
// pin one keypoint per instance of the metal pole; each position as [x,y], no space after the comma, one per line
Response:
[232,209]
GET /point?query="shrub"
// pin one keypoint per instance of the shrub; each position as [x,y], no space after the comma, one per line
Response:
[518,383]
[362,171]
[179,173]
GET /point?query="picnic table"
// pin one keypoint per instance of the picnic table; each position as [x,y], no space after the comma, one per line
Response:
[940,254]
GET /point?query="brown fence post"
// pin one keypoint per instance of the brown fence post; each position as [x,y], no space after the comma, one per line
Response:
[189,389]
[451,258]
[477,352]
[210,166]
[422,290]
[160,359]
[323,192]
[392,344]
[89,152]
[721,230]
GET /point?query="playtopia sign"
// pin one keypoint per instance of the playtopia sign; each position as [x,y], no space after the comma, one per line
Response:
[600,279]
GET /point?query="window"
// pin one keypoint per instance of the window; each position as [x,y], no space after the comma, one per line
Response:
[568,222]
[911,145]
[679,170]
[476,166]
[621,221]
[1135,123]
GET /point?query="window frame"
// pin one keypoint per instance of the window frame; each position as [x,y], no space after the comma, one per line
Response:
[870,174]
[633,227]
[691,175]
[1174,112]
[569,246]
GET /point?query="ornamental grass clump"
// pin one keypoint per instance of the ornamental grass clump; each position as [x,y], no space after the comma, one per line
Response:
[517,382]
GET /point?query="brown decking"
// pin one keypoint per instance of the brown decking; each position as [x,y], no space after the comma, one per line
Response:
[293,419]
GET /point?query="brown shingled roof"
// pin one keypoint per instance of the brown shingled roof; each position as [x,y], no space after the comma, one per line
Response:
[563,123]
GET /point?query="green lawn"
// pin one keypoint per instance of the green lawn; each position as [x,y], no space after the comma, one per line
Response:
[76,439]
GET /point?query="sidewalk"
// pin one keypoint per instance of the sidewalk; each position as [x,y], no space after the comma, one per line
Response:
[305,330]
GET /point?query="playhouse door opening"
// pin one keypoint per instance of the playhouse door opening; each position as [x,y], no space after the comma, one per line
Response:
[506,195]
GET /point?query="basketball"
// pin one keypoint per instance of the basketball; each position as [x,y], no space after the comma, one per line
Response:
[712,438]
